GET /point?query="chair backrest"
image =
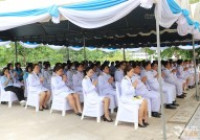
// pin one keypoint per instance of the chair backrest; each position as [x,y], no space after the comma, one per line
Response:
[118,90]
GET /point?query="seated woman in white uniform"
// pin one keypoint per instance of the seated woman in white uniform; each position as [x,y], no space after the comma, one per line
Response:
[7,83]
[119,73]
[46,73]
[77,78]
[59,88]
[89,88]
[105,86]
[128,96]
[35,84]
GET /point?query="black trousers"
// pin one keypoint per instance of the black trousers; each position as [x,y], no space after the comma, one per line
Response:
[18,91]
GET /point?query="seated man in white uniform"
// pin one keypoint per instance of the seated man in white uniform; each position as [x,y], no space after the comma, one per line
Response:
[119,73]
[105,86]
[77,79]
[169,89]
[142,90]
[35,86]
[171,79]
[59,88]
[181,74]
[153,84]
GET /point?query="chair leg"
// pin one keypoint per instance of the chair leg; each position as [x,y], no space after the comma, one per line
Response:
[37,108]
[98,119]
[136,126]
[63,113]
[116,122]
[82,117]
[112,111]
[149,114]
[9,104]
[51,111]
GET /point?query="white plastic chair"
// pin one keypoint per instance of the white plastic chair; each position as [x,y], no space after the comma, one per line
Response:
[33,98]
[112,102]
[7,96]
[126,113]
[59,103]
[92,109]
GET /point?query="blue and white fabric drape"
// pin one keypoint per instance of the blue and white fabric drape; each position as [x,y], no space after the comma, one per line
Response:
[91,13]
[188,47]
[4,43]
[29,45]
[87,14]
[171,12]
[55,47]
[76,48]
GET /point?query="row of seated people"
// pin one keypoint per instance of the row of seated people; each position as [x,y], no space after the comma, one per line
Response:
[138,81]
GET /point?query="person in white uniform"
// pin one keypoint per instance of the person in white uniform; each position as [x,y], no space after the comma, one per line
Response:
[35,84]
[105,86]
[119,73]
[128,96]
[69,75]
[169,89]
[182,75]
[152,82]
[46,73]
[170,78]
[59,88]
[142,90]
[90,89]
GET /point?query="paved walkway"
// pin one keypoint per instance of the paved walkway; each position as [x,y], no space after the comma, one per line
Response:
[17,123]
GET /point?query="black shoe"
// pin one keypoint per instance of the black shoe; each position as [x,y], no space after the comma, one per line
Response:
[45,108]
[170,107]
[142,125]
[155,114]
[145,123]
[175,104]
[105,119]
[41,109]
[79,114]
[180,96]
[116,109]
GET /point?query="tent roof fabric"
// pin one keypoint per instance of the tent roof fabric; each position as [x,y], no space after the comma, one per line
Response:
[135,30]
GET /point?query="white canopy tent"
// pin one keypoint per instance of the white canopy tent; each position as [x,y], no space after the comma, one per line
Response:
[92,14]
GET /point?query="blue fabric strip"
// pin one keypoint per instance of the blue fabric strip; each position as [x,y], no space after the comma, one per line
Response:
[176,9]
[53,10]
[94,4]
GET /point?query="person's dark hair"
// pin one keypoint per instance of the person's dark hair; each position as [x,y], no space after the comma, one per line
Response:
[154,63]
[128,69]
[29,66]
[57,68]
[16,68]
[179,62]
[87,69]
[146,64]
[4,69]
[8,66]
[165,63]
[78,64]
[46,65]
[34,65]
[104,66]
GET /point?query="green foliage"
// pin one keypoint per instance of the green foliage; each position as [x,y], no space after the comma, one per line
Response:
[43,53]
[194,1]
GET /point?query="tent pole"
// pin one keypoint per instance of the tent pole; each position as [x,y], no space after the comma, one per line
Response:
[16,54]
[195,70]
[124,54]
[158,6]
[84,49]
[67,53]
